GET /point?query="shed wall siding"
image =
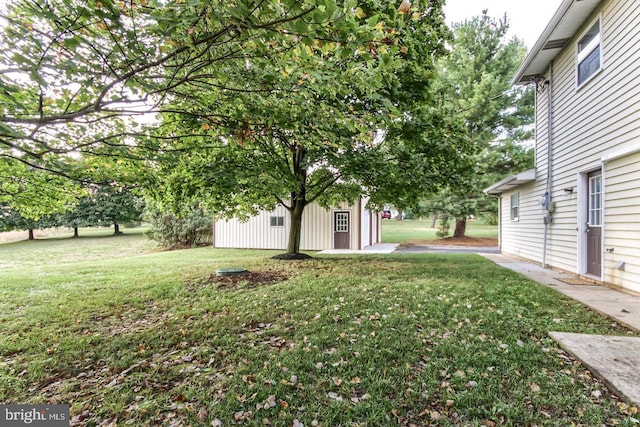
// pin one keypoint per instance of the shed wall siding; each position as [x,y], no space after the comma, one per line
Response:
[317,229]
[256,233]
[601,117]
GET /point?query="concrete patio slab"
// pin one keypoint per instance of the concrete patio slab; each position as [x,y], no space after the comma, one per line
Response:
[450,249]
[380,248]
[615,360]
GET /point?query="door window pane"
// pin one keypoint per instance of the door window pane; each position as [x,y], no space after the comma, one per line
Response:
[342,222]
[595,200]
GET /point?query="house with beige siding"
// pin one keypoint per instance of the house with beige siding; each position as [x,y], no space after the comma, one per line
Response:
[344,226]
[579,209]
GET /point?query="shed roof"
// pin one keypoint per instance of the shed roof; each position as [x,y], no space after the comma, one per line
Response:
[564,24]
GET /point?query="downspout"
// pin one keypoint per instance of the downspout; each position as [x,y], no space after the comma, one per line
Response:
[547,194]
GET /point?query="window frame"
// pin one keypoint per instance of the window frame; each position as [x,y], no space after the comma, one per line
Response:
[584,53]
[278,219]
[516,217]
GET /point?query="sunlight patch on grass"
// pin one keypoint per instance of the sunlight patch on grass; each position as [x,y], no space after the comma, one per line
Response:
[406,231]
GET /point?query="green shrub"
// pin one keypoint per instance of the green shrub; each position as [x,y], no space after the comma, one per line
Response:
[490,218]
[443,228]
[190,228]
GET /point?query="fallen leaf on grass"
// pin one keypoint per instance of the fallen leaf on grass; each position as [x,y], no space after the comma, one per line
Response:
[243,416]
[335,396]
[202,415]
[271,401]
[460,374]
[626,409]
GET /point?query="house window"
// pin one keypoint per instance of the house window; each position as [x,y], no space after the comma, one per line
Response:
[277,221]
[589,54]
[515,206]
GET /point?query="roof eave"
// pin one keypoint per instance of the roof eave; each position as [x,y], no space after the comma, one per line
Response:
[564,24]
[511,182]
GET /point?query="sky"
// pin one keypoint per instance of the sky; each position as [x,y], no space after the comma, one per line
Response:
[527,19]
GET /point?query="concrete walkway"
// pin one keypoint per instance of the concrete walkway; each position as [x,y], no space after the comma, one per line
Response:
[615,360]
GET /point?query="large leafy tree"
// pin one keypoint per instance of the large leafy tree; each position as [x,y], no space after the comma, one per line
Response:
[337,127]
[279,99]
[33,193]
[10,219]
[103,205]
[73,70]
[115,205]
[475,78]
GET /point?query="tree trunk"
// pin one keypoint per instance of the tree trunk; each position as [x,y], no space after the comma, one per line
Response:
[298,202]
[461,227]
[31,235]
[116,227]
[295,228]
[75,232]
[434,221]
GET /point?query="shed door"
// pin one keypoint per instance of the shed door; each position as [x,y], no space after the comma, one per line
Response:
[341,230]
[594,225]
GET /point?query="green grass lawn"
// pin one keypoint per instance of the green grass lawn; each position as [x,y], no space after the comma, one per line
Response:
[408,230]
[142,337]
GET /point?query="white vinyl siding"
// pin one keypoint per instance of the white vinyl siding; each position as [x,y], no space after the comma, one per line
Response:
[529,228]
[622,204]
[601,118]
